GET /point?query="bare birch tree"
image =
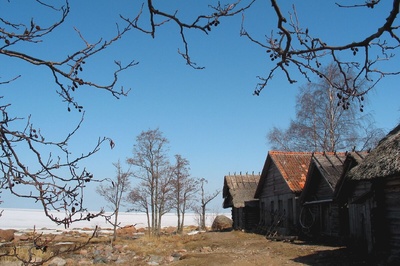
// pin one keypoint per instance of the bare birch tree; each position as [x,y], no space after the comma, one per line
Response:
[185,189]
[139,201]
[206,198]
[114,193]
[324,122]
[150,160]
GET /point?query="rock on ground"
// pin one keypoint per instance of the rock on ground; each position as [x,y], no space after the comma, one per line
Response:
[221,223]
[7,235]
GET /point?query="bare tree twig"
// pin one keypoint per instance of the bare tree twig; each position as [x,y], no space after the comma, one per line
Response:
[294,46]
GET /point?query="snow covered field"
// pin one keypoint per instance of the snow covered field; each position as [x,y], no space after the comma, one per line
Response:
[28,218]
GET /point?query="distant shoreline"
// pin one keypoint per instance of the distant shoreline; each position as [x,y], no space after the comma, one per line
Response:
[26,219]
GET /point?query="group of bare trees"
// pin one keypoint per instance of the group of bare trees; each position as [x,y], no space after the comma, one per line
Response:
[153,193]
[162,186]
[56,179]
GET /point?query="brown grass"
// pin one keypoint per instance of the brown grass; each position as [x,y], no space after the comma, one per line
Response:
[211,248]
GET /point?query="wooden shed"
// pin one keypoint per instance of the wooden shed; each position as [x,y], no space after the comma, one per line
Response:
[238,194]
[342,188]
[372,192]
[319,214]
[281,182]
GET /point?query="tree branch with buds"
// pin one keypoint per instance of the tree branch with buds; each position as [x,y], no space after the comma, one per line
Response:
[293,48]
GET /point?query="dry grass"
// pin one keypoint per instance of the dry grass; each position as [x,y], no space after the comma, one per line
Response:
[211,248]
[162,246]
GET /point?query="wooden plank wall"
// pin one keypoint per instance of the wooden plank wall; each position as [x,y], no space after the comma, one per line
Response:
[391,192]
[275,198]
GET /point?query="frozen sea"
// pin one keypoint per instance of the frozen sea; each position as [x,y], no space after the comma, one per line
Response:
[21,219]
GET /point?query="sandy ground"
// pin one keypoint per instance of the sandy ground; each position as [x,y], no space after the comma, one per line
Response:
[238,248]
[206,248]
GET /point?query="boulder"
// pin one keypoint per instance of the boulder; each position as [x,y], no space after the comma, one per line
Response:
[128,230]
[7,235]
[221,223]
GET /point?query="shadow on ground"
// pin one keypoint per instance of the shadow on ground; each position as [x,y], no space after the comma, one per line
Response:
[340,256]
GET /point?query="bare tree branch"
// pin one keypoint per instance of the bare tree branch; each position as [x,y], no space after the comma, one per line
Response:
[33,167]
[203,23]
[295,46]
[54,181]
[67,73]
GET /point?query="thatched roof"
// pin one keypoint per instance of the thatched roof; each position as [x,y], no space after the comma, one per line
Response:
[383,161]
[293,167]
[239,189]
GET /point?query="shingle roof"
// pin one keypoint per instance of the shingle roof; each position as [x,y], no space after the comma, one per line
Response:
[330,165]
[241,188]
[382,161]
[352,159]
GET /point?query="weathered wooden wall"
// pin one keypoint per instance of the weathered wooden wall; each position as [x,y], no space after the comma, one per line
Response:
[360,230]
[326,213]
[246,218]
[391,194]
[277,199]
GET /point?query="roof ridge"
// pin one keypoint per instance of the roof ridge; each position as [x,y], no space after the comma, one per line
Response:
[290,152]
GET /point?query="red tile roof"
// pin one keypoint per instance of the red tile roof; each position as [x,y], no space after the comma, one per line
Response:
[293,167]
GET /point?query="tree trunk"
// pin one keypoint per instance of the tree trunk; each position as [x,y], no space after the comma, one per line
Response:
[203,217]
[178,213]
[115,225]
[148,220]
[182,221]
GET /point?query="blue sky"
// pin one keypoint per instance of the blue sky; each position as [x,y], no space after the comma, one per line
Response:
[209,116]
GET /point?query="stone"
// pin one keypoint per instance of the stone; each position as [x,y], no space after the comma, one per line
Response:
[155,260]
[206,249]
[170,259]
[7,235]
[100,259]
[127,231]
[141,230]
[57,261]
[221,223]
[83,252]
[14,263]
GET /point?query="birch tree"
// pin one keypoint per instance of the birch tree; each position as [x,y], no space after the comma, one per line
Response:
[114,193]
[185,189]
[205,199]
[149,159]
[325,121]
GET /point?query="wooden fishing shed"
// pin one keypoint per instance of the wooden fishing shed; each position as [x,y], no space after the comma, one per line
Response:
[281,183]
[319,215]
[372,192]
[238,194]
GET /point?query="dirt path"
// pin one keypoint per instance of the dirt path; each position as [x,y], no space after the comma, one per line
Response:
[237,248]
